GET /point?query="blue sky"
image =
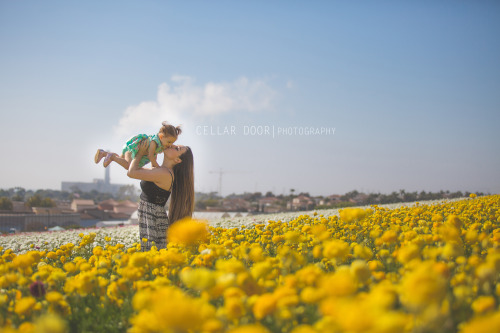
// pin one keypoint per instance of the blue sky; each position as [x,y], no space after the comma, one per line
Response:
[411,89]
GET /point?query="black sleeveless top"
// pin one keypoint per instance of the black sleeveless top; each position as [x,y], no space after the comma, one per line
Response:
[154,194]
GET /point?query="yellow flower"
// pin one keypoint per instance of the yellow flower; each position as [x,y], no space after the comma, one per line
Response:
[261,269]
[249,329]
[168,309]
[389,236]
[353,214]
[256,254]
[70,267]
[483,304]
[265,305]
[311,295]
[234,308]
[422,287]
[487,323]
[309,275]
[304,329]
[53,297]
[408,253]
[188,232]
[26,327]
[360,270]
[97,251]
[336,249]
[3,299]
[24,305]
[293,236]
[232,265]
[437,218]
[23,261]
[50,323]
[363,252]
[391,322]
[199,279]
[454,221]
[340,283]
[383,296]
[138,260]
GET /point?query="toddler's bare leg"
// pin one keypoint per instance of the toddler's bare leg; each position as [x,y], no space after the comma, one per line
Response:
[123,160]
[99,155]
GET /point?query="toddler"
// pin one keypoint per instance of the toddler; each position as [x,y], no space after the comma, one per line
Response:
[157,143]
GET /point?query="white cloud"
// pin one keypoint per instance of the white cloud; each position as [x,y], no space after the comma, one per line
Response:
[179,101]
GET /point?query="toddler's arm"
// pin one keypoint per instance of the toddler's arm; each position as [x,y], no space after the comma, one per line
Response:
[152,155]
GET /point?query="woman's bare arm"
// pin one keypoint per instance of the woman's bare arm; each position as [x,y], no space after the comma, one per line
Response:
[152,154]
[156,175]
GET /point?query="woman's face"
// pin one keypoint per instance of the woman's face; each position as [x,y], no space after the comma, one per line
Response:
[175,151]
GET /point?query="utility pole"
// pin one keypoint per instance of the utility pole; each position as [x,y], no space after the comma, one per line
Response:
[220,172]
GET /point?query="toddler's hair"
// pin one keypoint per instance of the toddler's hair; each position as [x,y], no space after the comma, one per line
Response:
[170,130]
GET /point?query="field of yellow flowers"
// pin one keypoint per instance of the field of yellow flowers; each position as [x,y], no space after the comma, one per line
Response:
[426,268]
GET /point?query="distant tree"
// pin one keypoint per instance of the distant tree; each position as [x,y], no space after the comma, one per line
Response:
[200,205]
[458,194]
[127,192]
[6,204]
[17,193]
[75,189]
[373,198]
[17,197]
[211,202]
[349,195]
[269,194]
[255,196]
[37,201]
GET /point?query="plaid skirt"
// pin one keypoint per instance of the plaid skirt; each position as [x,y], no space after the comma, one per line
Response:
[153,224]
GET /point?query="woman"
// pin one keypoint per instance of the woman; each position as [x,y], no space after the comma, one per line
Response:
[173,178]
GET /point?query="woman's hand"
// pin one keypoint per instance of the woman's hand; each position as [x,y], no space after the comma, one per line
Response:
[143,148]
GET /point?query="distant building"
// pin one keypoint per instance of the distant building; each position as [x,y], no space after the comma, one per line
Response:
[79,205]
[124,207]
[235,204]
[20,207]
[46,210]
[269,205]
[99,185]
[302,202]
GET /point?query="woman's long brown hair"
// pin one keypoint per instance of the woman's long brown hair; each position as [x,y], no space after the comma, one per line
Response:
[182,196]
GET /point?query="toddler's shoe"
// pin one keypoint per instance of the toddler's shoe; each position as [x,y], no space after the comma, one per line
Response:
[99,155]
[107,160]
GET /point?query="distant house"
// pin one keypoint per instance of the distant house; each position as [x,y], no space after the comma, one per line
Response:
[335,198]
[269,205]
[89,220]
[46,210]
[20,207]
[236,205]
[107,205]
[361,197]
[79,205]
[126,207]
[64,207]
[302,202]
[119,216]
